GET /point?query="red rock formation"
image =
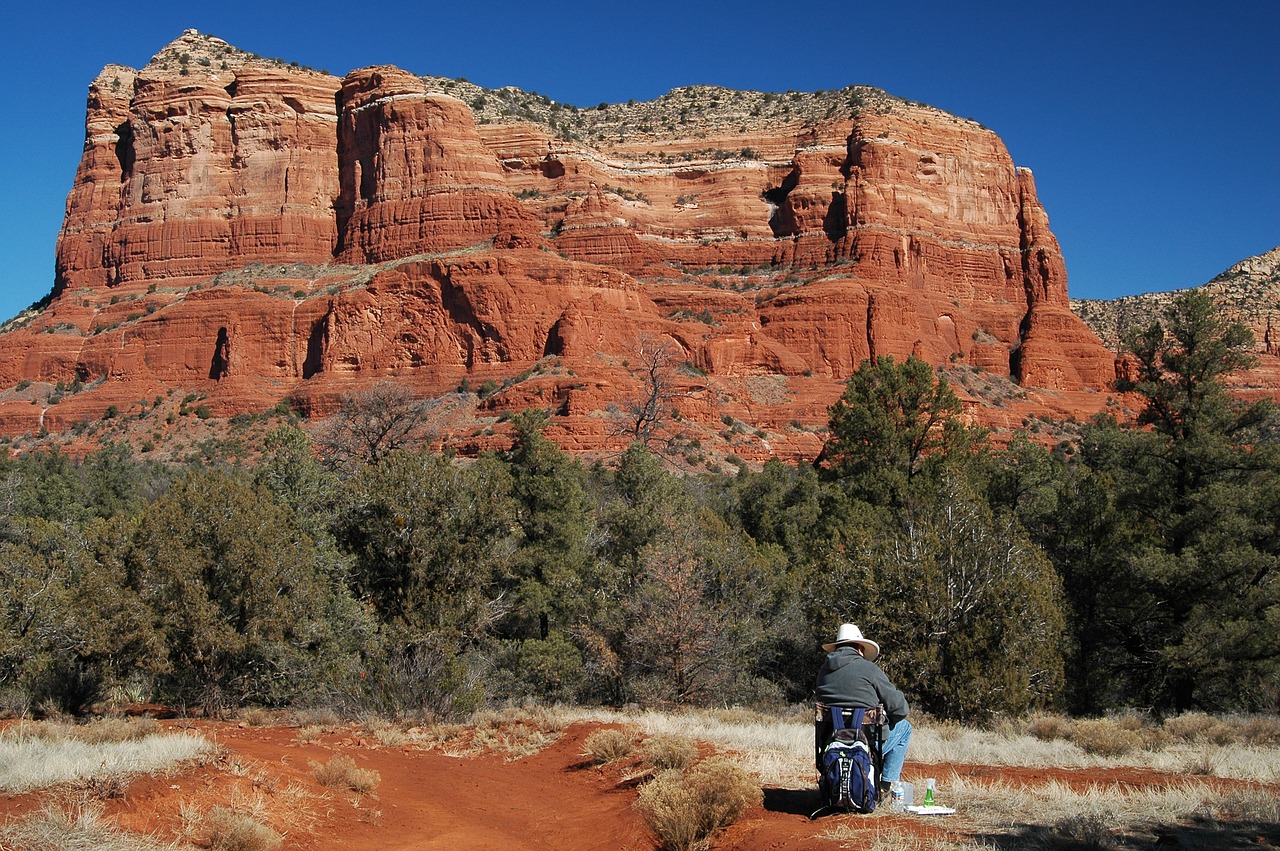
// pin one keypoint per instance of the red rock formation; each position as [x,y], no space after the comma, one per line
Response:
[414,176]
[198,166]
[260,232]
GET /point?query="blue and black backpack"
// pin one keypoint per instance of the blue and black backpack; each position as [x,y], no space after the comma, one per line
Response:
[847,782]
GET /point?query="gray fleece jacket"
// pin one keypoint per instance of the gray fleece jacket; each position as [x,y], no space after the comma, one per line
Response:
[847,679]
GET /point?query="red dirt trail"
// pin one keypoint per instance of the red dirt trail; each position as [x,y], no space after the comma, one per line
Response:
[427,799]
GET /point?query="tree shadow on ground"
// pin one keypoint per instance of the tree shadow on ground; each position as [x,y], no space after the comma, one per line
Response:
[1086,834]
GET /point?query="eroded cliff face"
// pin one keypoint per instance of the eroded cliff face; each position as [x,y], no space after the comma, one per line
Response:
[257,232]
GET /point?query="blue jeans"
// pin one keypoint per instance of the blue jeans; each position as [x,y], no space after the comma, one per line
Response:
[895,751]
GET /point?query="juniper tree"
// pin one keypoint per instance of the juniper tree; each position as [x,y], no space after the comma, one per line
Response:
[1180,598]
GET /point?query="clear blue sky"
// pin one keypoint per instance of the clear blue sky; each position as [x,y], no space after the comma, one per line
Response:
[1152,128]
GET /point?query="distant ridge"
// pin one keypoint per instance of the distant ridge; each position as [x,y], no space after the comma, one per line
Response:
[1248,292]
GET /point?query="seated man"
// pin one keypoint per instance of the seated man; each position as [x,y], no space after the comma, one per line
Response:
[849,678]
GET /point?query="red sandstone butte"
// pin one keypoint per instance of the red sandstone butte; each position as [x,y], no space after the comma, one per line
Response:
[256,232]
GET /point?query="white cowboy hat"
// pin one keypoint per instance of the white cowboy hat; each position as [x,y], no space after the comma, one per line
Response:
[850,634]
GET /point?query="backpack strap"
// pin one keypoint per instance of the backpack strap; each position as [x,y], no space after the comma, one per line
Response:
[837,718]
[858,715]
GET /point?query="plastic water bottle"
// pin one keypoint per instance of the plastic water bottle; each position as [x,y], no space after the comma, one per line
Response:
[929,786]
[897,801]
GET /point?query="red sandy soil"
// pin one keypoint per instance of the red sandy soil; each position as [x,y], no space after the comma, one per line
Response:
[427,799]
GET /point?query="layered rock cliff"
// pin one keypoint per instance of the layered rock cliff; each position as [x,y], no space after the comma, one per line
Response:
[1248,292]
[257,232]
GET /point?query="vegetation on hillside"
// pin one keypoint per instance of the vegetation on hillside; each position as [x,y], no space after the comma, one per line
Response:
[1133,568]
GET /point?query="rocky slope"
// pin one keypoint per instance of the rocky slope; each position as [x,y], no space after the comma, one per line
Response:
[1248,292]
[251,232]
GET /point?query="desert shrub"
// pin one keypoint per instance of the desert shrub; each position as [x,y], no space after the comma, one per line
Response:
[1200,763]
[1228,730]
[1190,726]
[1259,729]
[1131,721]
[388,734]
[340,772]
[256,716]
[605,746]
[232,831]
[666,752]
[683,810]
[1105,737]
[1048,727]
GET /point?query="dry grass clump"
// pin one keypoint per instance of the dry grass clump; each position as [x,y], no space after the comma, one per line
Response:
[73,827]
[607,745]
[104,730]
[388,733]
[310,734]
[1258,730]
[666,752]
[516,733]
[340,772]
[772,748]
[1001,805]
[1123,734]
[1114,736]
[1050,727]
[36,756]
[256,716]
[684,809]
[233,831]
[1251,805]
[96,732]
[1107,737]
[1193,726]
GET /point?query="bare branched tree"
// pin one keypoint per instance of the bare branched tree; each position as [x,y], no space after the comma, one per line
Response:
[370,423]
[643,415]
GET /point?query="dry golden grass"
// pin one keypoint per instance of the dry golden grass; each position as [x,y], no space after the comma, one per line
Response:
[1106,737]
[684,809]
[309,734]
[516,733]
[256,716]
[872,836]
[779,749]
[341,772]
[36,756]
[105,730]
[772,748]
[252,810]
[1191,728]
[230,830]
[665,752]
[95,732]
[608,745]
[73,826]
